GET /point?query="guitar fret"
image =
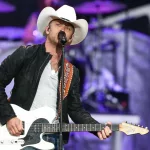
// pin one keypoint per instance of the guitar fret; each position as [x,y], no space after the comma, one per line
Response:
[35,128]
[47,127]
[38,128]
[96,127]
[41,128]
[56,128]
[86,127]
[93,127]
[68,127]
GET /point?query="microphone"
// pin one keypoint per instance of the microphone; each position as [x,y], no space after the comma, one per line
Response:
[62,37]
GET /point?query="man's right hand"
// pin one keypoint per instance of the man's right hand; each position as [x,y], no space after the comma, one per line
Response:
[14,126]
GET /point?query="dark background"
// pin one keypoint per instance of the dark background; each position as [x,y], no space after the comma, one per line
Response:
[25,7]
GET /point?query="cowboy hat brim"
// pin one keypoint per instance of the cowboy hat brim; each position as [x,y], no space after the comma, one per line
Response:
[48,14]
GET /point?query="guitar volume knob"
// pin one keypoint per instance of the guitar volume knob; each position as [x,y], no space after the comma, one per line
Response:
[12,142]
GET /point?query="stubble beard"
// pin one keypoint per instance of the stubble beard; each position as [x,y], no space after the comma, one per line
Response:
[53,41]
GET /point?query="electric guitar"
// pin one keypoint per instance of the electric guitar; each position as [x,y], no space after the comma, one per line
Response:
[38,122]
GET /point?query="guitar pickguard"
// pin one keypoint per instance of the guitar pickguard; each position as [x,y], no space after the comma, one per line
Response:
[32,136]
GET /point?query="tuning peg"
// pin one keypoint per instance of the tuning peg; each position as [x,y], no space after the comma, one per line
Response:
[126,122]
[146,127]
[138,125]
[142,126]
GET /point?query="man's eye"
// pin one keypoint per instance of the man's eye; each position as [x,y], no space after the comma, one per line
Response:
[69,28]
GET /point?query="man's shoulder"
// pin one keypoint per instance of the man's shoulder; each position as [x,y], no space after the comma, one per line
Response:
[30,49]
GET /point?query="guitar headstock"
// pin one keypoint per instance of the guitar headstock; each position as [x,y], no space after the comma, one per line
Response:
[132,129]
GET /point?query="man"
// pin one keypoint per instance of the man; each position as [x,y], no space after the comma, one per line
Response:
[36,73]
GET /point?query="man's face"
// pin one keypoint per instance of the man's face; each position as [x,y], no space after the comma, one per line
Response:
[59,25]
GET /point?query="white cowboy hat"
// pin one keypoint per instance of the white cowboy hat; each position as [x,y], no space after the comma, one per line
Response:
[67,14]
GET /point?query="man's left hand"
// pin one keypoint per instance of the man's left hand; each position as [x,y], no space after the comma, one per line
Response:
[105,133]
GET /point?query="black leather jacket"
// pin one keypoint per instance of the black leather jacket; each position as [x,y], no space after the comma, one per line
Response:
[26,65]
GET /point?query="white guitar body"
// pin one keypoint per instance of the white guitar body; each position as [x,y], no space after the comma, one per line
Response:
[9,142]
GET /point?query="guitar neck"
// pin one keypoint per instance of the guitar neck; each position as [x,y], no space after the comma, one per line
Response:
[71,127]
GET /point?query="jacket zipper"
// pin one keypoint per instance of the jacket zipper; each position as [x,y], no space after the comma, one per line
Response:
[40,68]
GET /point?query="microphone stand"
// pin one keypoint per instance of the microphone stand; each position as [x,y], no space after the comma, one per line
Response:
[63,42]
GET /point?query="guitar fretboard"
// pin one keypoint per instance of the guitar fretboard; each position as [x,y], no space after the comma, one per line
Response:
[40,127]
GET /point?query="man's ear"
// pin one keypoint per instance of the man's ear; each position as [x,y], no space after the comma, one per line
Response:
[70,40]
[47,30]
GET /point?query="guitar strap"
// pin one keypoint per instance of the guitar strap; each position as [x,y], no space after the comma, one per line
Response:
[68,74]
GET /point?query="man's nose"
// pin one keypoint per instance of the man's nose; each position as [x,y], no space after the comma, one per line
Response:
[63,27]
